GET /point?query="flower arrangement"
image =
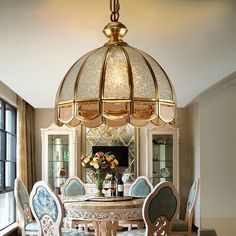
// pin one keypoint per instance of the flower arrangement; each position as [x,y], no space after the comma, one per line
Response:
[105,162]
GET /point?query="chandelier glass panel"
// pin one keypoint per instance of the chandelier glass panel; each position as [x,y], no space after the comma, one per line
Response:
[115,84]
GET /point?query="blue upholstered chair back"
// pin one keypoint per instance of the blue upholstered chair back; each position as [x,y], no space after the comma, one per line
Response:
[160,208]
[192,197]
[46,208]
[22,201]
[141,187]
[73,186]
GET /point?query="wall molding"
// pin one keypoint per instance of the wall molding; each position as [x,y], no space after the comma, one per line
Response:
[228,82]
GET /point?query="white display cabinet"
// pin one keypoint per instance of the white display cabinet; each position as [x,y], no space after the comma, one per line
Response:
[163,155]
[58,155]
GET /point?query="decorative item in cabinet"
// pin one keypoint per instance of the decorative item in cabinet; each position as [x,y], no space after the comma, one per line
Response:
[58,155]
[163,151]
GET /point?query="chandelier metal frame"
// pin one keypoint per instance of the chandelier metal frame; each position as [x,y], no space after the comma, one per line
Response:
[115,84]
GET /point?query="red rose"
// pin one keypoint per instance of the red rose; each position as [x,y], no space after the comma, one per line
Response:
[104,166]
[101,154]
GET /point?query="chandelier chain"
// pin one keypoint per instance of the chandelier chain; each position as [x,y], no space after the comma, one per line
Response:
[115,8]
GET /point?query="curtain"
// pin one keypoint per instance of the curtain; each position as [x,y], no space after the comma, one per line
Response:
[25,143]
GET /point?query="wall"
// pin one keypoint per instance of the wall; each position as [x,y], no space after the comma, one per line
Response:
[194,146]
[43,119]
[216,155]
[185,159]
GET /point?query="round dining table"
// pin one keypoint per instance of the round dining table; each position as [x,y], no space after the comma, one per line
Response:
[104,212]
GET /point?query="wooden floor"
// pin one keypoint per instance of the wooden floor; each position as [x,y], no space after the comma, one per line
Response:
[125,229]
[193,233]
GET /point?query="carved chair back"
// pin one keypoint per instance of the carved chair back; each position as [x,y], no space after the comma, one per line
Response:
[47,209]
[160,208]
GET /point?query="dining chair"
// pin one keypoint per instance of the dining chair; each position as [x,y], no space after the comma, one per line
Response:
[141,187]
[27,224]
[48,211]
[184,227]
[159,209]
[72,187]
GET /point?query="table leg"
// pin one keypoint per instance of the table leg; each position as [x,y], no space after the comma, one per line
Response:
[96,228]
[105,228]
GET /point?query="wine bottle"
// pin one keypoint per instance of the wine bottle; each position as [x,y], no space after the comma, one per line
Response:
[120,186]
[113,185]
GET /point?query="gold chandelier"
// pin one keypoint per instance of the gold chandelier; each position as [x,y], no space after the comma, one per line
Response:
[115,84]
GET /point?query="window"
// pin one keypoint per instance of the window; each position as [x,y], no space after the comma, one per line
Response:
[7,163]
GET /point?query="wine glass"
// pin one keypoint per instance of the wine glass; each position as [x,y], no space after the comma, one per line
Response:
[106,186]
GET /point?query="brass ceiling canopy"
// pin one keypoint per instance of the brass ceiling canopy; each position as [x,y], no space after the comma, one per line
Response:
[115,84]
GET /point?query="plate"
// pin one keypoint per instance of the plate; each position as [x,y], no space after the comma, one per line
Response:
[164,172]
[76,198]
[110,199]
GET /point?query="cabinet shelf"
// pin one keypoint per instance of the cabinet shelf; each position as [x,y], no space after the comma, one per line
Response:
[160,167]
[58,177]
[170,161]
[54,144]
[161,177]
[167,144]
[58,161]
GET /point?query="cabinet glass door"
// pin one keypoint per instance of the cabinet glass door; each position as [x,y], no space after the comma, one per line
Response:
[58,160]
[162,158]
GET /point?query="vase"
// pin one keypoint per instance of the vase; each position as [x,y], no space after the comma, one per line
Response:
[100,177]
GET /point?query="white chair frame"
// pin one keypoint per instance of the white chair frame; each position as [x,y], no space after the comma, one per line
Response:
[58,223]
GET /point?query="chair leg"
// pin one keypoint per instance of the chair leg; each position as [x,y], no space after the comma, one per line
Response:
[73,225]
[129,227]
[66,223]
[85,227]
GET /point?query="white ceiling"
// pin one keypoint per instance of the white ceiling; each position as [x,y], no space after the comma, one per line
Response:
[193,40]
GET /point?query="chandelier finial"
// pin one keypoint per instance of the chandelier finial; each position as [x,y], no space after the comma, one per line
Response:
[115,30]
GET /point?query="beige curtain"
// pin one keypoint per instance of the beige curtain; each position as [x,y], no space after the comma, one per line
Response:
[25,143]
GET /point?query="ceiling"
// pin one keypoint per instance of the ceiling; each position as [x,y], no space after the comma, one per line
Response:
[193,40]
